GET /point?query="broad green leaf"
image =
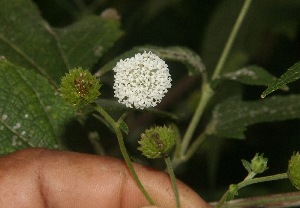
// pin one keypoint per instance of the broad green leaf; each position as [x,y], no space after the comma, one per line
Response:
[250,75]
[27,40]
[184,55]
[291,75]
[32,114]
[231,118]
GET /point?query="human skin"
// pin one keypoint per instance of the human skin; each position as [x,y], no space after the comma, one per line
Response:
[40,178]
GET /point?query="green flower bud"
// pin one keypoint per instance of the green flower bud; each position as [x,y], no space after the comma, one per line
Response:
[259,163]
[232,192]
[79,87]
[294,170]
[157,142]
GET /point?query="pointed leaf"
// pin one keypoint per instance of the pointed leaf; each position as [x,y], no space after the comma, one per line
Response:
[124,127]
[26,39]
[250,75]
[231,118]
[291,75]
[32,114]
[246,165]
[183,55]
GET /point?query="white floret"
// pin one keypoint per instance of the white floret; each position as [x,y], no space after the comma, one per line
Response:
[141,81]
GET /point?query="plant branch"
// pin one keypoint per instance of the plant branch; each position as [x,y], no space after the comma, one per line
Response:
[125,155]
[173,180]
[207,92]
[248,182]
[231,38]
[291,199]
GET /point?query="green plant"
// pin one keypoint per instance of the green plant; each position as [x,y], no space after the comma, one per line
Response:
[36,57]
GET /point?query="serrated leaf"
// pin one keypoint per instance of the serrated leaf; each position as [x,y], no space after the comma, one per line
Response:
[27,40]
[32,114]
[291,75]
[183,55]
[250,75]
[231,118]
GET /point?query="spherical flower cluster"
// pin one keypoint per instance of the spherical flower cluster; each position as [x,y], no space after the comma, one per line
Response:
[141,81]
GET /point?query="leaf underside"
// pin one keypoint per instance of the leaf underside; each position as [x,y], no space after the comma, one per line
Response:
[231,118]
[183,55]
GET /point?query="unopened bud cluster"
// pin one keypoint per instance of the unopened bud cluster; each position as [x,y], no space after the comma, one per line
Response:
[79,87]
[157,142]
[294,170]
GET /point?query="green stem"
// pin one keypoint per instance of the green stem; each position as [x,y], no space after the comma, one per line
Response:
[231,38]
[252,181]
[173,180]
[204,98]
[125,155]
[207,92]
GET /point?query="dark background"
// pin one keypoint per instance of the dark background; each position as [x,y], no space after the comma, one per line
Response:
[269,38]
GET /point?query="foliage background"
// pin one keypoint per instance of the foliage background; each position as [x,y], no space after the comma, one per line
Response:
[269,38]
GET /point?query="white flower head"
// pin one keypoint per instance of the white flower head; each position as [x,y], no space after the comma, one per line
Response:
[141,81]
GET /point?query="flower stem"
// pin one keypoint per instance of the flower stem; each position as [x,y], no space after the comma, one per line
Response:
[125,155]
[248,182]
[173,180]
[207,92]
[231,38]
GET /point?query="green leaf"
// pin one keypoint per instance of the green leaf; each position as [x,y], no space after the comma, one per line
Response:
[246,165]
[124,127]
[27,40]
[250,75]
[32,114]
[183,55]
[291,75]
[231,118]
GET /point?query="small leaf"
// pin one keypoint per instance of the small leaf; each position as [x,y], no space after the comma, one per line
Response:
[291,75]
[246,165]
[124,127]
[231,117]
[32,114]
[27,40]
[183,55]
[250,75]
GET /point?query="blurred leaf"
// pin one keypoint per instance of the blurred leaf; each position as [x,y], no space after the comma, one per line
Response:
[250,75]
[280,17]
[116,109]
[231,118]
[183,55]
[291,75]
[31,112]
[26,39]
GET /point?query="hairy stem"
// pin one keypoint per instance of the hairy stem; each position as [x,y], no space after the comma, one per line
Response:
[248,182]
[125,155]
[207,92]
[173,180]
